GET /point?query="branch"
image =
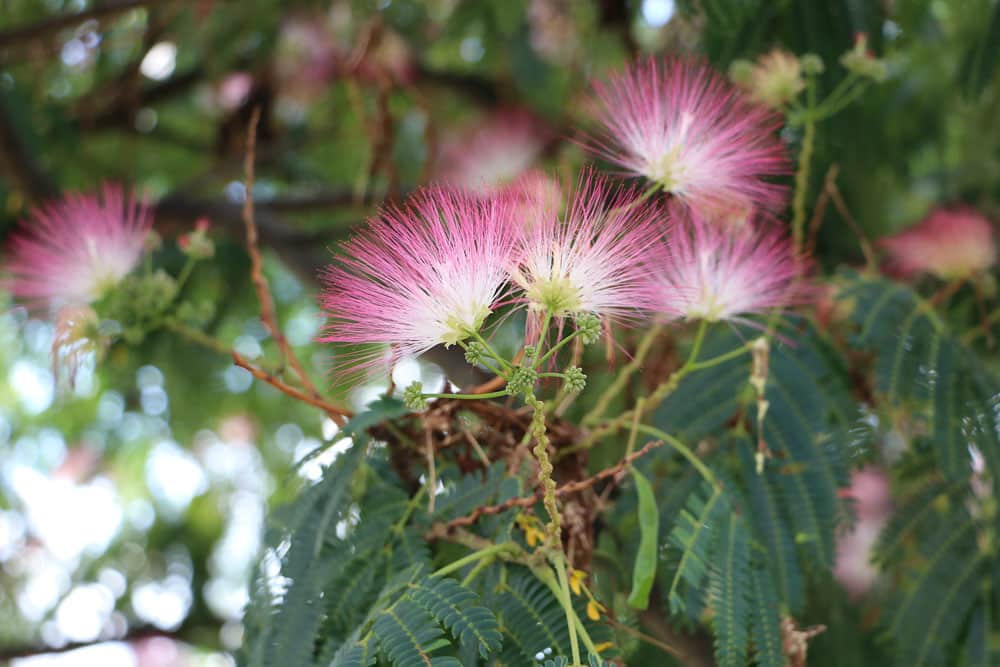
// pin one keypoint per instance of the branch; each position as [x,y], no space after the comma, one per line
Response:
[334,412]
[527,501]
[53,24]
[122,111]
[267,313]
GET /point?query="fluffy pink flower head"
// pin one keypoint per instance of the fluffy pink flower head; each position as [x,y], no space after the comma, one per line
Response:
[596,258]
[73,250]
[533,197]
[719,273]
[492,153]
[424,274]
[950,243]
[686,128]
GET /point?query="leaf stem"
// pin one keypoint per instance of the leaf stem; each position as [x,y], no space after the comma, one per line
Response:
[802,173]
[470,397]
[489,552]
[559,561]
[681,449]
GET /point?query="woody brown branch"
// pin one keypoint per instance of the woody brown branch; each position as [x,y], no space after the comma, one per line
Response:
[267,311]
[336,413]
[527,501]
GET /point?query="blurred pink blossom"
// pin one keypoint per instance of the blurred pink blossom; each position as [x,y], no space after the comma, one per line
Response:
[949,243]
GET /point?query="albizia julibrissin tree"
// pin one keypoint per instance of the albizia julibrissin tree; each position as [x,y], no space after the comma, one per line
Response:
[672,398]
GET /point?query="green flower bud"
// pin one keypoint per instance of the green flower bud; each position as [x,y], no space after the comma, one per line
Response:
[522,380]
[811,64]
[196,244]
[474,352]
[413,397]
[589,326]
[576,379]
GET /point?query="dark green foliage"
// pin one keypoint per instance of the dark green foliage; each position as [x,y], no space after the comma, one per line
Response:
[693,537]
[921,367]
[730,587]
[407,634]
[530,617]
[768,517]
[457,609]
[704,401]
[765,620]
[940,540]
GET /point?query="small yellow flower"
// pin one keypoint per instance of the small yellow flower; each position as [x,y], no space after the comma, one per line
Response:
[594,610]
[603,646]
[576,577]
[533,532]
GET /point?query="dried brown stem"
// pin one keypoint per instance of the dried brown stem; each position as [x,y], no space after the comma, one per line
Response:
[335,413]
[267,312]
[528,501]
[53,24]
[841,206]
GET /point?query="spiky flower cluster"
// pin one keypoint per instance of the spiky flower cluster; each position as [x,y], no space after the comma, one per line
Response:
[692,133]
[719,273]
[595,259]
[73,251]
[425,274]
[433,271]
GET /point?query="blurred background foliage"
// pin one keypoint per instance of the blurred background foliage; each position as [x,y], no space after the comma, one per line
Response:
[132,503]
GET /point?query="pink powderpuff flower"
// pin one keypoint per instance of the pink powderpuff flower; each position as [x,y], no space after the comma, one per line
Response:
[596,258]
[532,197]
[74,250]
[719,273]
[950,243]
[873,502]
[492,153]
[687,129]
[424,274]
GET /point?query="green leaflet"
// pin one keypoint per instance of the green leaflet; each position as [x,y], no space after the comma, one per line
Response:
[693,535]
[458,608]
[730,587]
[644,571]
[765,619]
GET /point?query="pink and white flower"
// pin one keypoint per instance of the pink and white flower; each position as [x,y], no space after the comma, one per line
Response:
[950,243]
[492,153]
[596,258]
[687,129]
[424,274]
[74,250]
[719,273]
[873,503]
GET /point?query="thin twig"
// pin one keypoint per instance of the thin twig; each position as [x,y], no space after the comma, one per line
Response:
[528,501]
[819,210]
[335,413]
[56,23]
[642,636]
[841,206]
[267,313]
[431,471]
